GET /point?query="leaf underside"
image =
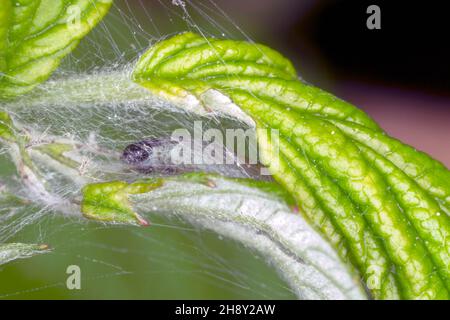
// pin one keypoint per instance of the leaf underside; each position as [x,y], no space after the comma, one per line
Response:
[255,213]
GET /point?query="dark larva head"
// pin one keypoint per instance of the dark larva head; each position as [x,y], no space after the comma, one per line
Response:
[136,153]
[146,154]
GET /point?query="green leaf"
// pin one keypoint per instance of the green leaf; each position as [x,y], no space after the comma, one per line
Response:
[383,203]
[254,213]
[14,251]
[6,127]
[108,201]
[36,34]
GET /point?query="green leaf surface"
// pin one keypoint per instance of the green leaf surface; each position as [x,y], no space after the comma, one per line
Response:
[383,204]
[254,213]
[36,34]
[6,127]
[14,251]
[109,202]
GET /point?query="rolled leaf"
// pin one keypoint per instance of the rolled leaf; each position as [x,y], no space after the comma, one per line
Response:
[384,202]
